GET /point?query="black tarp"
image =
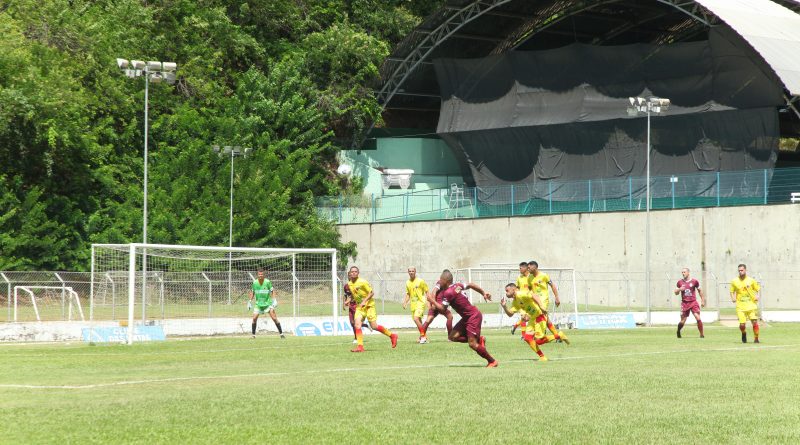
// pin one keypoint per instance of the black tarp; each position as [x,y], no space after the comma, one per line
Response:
[561,114]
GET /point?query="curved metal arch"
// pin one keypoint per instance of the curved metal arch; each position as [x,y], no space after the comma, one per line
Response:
[449,27]
[556,15]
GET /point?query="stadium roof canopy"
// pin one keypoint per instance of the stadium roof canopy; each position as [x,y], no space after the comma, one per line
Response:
[479,28]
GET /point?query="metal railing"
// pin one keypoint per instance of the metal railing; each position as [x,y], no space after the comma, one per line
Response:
[708,189]
[595,291]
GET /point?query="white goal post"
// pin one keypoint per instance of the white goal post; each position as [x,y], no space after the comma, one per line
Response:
[149,282]
[494,277]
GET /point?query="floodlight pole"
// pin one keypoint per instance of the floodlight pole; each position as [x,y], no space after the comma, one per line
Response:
[234,151]
[649,106]
[647,226]
[230,235]
[160,71]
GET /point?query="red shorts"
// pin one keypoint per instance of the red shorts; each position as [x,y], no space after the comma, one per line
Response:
[691,306]
[470,325]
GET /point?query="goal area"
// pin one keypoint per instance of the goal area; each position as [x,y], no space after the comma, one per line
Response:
[174,285]
[493,278]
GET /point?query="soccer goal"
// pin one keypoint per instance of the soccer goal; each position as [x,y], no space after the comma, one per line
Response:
[59,302]
[145,283]
[493,278]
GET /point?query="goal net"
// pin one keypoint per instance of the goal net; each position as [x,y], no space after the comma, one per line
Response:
[145,283]
[494,277]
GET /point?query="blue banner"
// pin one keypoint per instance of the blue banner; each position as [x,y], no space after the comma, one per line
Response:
[120,334]
[617,320]
[317,328]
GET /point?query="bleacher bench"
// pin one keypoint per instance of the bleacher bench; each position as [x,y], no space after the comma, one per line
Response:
[795,196]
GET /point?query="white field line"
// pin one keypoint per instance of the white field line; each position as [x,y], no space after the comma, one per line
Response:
[379,368]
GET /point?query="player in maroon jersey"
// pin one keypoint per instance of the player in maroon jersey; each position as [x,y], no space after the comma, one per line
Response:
[688,288]
[468,329]
[351,305]
[436,291]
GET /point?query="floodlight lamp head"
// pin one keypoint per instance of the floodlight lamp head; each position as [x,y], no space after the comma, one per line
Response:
[169,77]
[122,63]
[137,64]
[215,148]
[169,66]
[247,151]
[154,65]
[227,149]
[632,100]
[156,77]
[640,100]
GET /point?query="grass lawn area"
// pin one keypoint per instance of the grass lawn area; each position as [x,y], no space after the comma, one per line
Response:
[624,386]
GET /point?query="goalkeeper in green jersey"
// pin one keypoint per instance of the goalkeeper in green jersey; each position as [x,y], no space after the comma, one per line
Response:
[265,301]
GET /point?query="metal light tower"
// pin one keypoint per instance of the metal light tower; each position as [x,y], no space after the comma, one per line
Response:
[233,151]
[157,72]
[649,106]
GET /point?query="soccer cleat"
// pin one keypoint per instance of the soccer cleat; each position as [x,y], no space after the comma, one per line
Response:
[756,340]
[542,359]
[493,364]
[423,340]
[679,334]
[483,341]
[744,337]
[359,348]
[253,336]
[513,329]
[283,336]
[394,340]
[355,342]
[702,336]
[563,337]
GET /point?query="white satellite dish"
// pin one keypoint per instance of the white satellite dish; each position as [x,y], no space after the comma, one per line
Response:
[344,170]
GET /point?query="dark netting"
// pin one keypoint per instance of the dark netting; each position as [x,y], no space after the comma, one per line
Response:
[532,117]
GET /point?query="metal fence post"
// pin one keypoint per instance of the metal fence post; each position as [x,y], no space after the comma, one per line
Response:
[550,195]
[8,294]
[630,193]
[372,205]
[590,195]
[475,196]
[512,199]
[765,186]
[718,189]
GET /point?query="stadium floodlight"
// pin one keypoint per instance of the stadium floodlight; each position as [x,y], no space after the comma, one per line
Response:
[233,151]
[649,106]
[151,71]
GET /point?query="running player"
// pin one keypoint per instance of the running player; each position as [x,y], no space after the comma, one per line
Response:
[688,287]
[350,306]
[266,301]
[522,284]
[436,292]
[363,296]
[745,293]
[527,303]
[537,283]
[468,329]
[416,292]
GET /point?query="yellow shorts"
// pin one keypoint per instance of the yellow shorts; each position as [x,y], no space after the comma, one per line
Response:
[746,315]
[367,313]
[417,309]
[538,330]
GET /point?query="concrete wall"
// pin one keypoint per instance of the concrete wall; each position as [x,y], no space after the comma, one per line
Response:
[710,241]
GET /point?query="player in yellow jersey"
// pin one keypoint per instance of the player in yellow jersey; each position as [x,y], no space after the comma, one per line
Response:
[522,284]
[538,282]
[745,292]
[416,293]
[528,304]
[362,294]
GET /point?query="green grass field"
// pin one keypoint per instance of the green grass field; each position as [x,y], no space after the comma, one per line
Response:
[627,386]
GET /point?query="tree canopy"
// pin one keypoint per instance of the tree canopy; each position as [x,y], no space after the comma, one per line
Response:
[288,78]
